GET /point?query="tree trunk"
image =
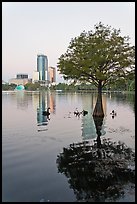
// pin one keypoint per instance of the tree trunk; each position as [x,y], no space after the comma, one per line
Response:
[98,110]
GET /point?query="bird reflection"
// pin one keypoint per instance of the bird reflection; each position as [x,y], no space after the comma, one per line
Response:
[42,130]
[113,114]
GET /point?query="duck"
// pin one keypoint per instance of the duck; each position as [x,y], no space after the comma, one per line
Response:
[113,113]
[76,112]
[84,112]
[47,112]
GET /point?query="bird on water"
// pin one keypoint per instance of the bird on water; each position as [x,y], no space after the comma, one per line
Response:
[47,112]
[113,113]
[83,112]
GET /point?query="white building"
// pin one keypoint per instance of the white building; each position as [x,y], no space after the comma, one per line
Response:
[35,76]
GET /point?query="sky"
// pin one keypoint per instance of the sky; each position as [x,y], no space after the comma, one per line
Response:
[32,28]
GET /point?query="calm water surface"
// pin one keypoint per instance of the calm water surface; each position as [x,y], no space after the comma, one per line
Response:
[31,142]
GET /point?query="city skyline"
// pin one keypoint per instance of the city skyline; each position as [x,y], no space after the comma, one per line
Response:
[30,28]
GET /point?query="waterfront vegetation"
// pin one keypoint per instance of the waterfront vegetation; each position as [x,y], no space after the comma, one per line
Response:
[128,85]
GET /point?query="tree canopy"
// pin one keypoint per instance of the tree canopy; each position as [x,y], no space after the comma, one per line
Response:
[101,56]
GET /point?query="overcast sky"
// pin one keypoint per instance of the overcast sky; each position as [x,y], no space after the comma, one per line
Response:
[31,28]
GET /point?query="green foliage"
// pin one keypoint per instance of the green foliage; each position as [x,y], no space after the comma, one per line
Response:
[8,87]
[73,87]
[62,86]
[33,87]
[99,56]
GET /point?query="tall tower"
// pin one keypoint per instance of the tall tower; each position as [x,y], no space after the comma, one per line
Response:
[52,74]
[42,67]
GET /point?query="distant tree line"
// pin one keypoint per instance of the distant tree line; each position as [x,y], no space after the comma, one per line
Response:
[120,85]
[8,87]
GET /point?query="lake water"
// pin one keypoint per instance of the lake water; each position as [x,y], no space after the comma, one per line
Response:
[31,143]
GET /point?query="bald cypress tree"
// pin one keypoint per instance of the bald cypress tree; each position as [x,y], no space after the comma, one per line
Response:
[99,57]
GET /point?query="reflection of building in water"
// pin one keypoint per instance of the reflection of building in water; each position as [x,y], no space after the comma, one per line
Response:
[41,102]
[52,103]
[88,124]
[35,100]
[22,100]
[43,105]
[88,127]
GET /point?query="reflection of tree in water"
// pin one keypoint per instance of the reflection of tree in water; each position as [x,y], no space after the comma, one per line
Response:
[98,123]
[95,170]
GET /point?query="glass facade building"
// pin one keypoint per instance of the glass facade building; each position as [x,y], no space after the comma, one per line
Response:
[42,67]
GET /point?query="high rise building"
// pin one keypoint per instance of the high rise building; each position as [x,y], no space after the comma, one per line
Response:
[42,67]
[44,75]
[52,74]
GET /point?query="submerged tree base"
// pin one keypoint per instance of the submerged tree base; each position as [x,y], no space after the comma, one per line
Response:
[97,173]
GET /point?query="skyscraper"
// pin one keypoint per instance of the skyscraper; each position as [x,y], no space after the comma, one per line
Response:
[52,74]
[42,67]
